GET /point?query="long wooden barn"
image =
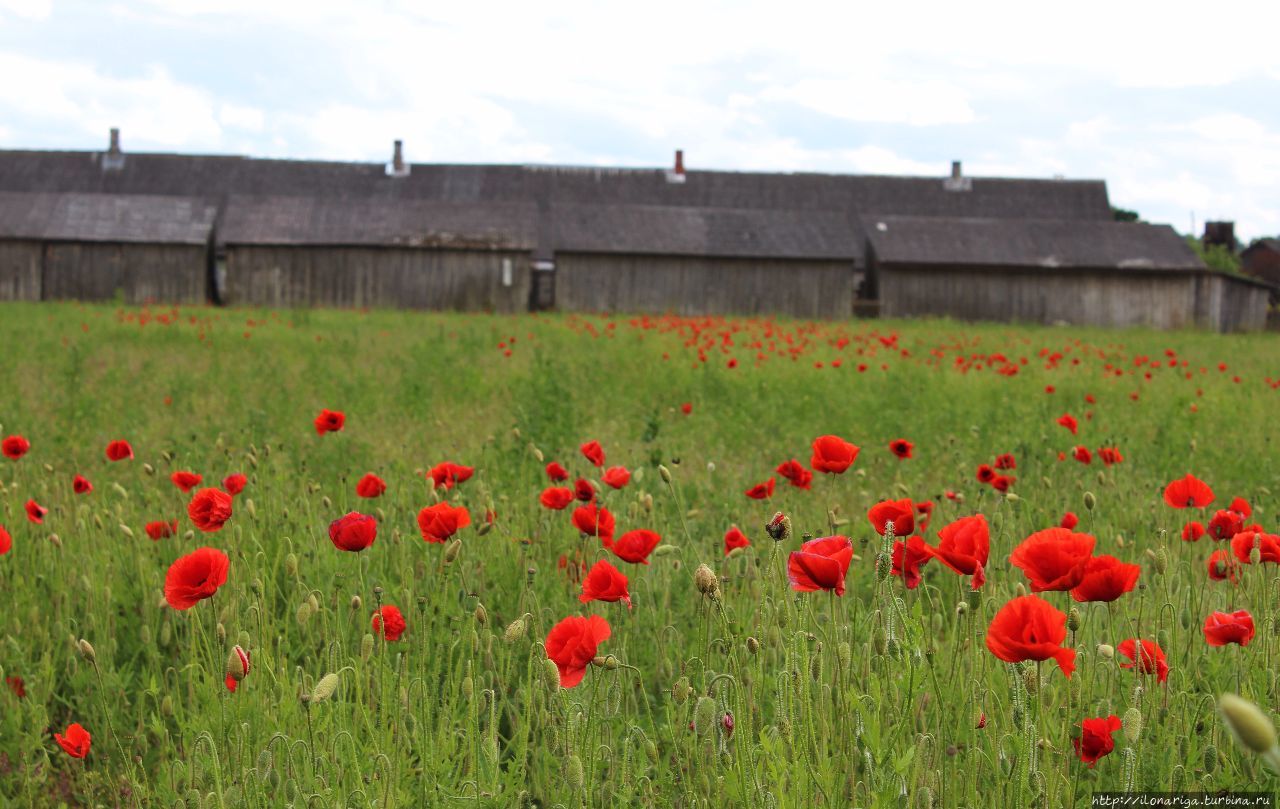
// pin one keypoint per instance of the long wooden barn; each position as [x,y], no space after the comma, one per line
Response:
[239,230]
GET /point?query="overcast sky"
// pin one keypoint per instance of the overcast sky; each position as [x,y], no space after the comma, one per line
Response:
[1176,106]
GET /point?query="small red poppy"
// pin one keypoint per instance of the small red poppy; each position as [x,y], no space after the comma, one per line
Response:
[1082,454]
[1095,739]
[17,686]
[195,577]
[557,472]
[75,741]
[583,490]
[119,451]
[81,485]
[36,512]
[1221,628]
[441,521]
[686,408]
[734,538]
[370,486]
[986,474]
[210,509]
[635,546]
[1188,492]
[1069,421]
[617,477]
[449,474]
[393,620]
[6,541]
[160,530]
[186,481]
[1069,520]
[330,421]
[605,582]
[902,513]
[761,491]
[1006,461]
[1001,483]
[555,497]
[795,473]
[234,484]
[572,645]
[820,564]
[593,452]
[832,454]
[1030,628]
[594,521]
[1192,531]
[353,532]
[1106,578]
[14,447]
[1153,658]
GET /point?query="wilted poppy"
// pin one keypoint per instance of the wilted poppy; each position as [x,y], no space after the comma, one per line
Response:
[1153,658]
[449,474]
[1221,628]
[832,454]
[908,558]
[330,421]
[795,473]
[593,452]
[389,617]
[616,477]
[1030,628]
[594,521]
[160,530]
[605,583]
[370,486]
[234,484]
[119,451]
[237,667]
[820,564]
[441,521]
[1095,740]
[572,645]
[75,741]
[186,481]
[555,497]
[635,546]
[1053,559]
[734,538]
[964,546]
[81,485]
[195,577]
[210,509]
[902,513]
[1188,492]
[761,491]
[557,472]
[353,532]
[1069,421]
[36,512]
[1106,578]
[14,447]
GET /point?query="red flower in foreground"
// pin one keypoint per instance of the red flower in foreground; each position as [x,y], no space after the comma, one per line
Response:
[353,532]
[1030,628]
[1053,559]
[210,509]
[1095,739]
[572,644]
[616,477]
[820,564]
[605,583]
[330,421]
[392,619]
[593,452]
[195,577]
[901,447]
[14,447]
[635,546]
[908,558]
[594,522]
[234,484]
[761,491]
[1106,578]
[1268,545]
[119,451]
[36,512]
[1153,659]
[160,530]
[449,474]
[1069,421]
[186,481]
[6,541]
[964,546]
[555,497]
[795,473]
[902,513]
[81,485]
[441,521]
[832,454]
[1221,628]
[557,472]
[1225,525]
[237,668]
[734,538]
[75,741]
[1189,492]
[370,486]
[1241,507]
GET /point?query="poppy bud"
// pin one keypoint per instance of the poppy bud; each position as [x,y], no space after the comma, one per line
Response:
[884,562]
[126,530]
[664,473]
[366,646]
[326,502]
[356,603]
[1090,500]
[704,715]
[55,540]
[707,582]
[452,550]
[753,645]
[468,687]
[573,772]
[1073,619]
[1019,590]
[120,490]
[237,664]
[962,608]
[1012,497]
[86,651]
[1031,681]
[1105,651]
[291,564]
[250,507]
[166,633]
[681,690]
[515,630]
[481,614]
[537,453]
[325,688]
[844,653]
[552,674]
[779,528]
[607,662]
[1248,723]
[1132,725]
[727,723]
[1210,759]
[304,613]
[221,632]
[166,705]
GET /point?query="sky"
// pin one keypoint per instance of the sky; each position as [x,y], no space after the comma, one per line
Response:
[1175,105]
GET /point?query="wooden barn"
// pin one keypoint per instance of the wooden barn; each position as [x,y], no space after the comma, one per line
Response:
[94,247]
[1262,260]
[1053,271]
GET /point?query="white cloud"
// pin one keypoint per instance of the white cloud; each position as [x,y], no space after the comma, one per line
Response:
[873,99]
[27,9]
[237,117]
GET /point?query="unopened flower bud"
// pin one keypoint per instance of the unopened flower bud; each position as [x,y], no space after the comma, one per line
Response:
[452,550]
[664,473]
[779,528]
[1248,723]
[1073,619]
[86,650]
[707,582]
[1106,651]
[1090,500]
[515,630]
[237,663]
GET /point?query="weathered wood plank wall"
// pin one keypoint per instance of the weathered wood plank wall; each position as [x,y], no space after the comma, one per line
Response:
[1231,305]
[20,271]
[462,280]
[141,272]
[588,282]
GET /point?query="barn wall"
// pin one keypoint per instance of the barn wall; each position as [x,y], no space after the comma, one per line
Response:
[19,271]
[1163,301]
[695,286]
[1234,305]
[461,280]
[143,273]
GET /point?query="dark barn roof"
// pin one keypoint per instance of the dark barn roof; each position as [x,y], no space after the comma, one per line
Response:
[1263,244]
[77,217]
[375,222]
[901,240]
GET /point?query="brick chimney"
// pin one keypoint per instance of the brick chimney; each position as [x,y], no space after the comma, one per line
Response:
[1223,233]
[397,167]
[957,181]
[676,175]
[113,160]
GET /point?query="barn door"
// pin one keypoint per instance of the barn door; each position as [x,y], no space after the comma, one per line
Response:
[542,290]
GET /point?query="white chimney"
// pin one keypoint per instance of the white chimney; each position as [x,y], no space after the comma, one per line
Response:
[957,181]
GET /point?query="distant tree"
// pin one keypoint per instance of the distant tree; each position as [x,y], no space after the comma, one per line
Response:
[1215,256]
[1124,215]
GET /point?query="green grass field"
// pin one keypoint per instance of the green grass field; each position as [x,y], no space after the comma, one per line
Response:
[872,698]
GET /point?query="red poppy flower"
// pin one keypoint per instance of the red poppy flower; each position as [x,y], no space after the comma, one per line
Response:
[557,472]
[1106,578]
[1225,525]
[901,512]
[901,447]
[1241,507]
[1030,628]
[81,485]
[795,473]
[820,564]
[908,558]
[556,498]
[195,577]
[572,645]
[605,583]
[353,532]
[583,490]
[1268,545]
[1053,559]
[449,474]
[36,512]
[160,530]
[686,408]
[1006,461]
[234,484]
[1189,492]
[1110,455]
[1221,628]
[594,522]
[17,686]
[832,454]
[186,481]
[1001,483]
[14,447]
[119,451]
[237,667]
[441,521]
[1069,521]
[616,477]
[1221,566]
[1069,421]
[761,491]
[6,541]
[1095,740]
[593,452]
[1082,454]
[986,474]
[390,617]
[1153,658]
[370,486]
[734,538]
[210,509]
[964,546]
[75,741]
[330,421]
[635,546]
[1192,531]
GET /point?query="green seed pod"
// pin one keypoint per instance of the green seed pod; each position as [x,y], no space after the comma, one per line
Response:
[515,630]
[1132,725]
[325,688]
[704,716]
[1210,759]
[974,599]
[86,651]
[551,673]
[1073,619]
[681,690]
[753,645]
[1090,500]
[366,646]
[291,564]
[573,772]
[1250,725]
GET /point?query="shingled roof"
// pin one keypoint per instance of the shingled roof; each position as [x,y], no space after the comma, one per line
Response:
[900,240]
[106,218]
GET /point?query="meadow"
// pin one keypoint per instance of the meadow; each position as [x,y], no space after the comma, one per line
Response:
[706,667]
